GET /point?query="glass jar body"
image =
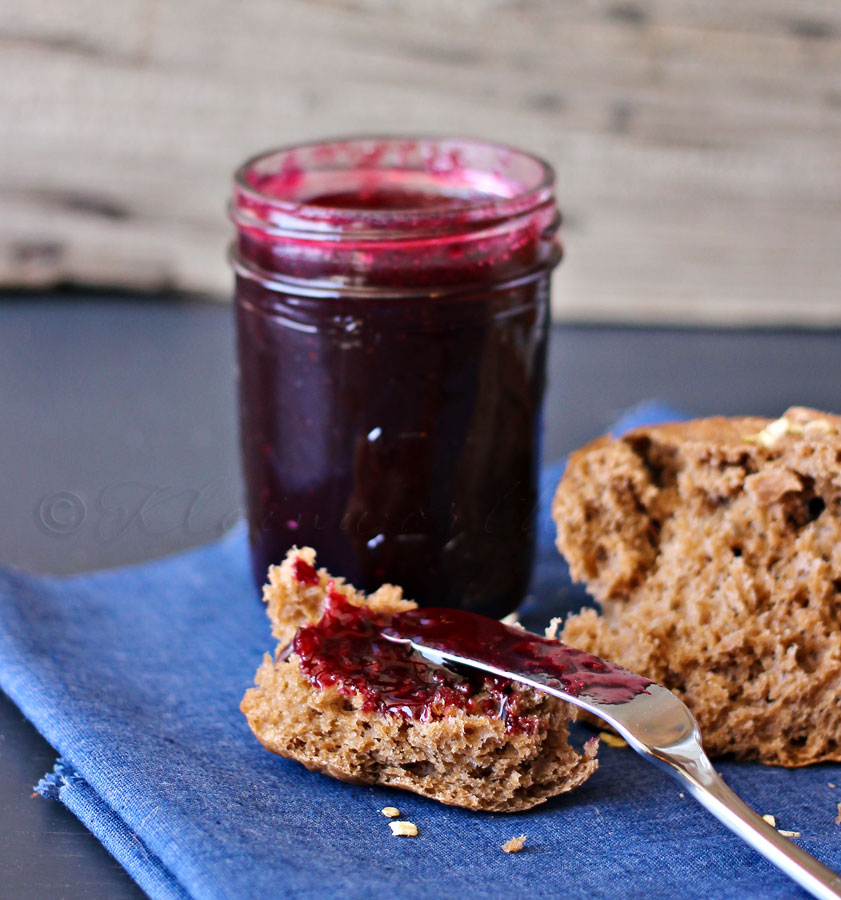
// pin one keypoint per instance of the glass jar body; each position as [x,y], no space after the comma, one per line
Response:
[392,421]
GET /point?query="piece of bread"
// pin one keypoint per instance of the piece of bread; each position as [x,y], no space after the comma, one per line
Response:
[714,550]
[458,756]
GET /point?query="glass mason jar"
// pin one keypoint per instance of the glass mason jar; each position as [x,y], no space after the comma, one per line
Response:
[392,306]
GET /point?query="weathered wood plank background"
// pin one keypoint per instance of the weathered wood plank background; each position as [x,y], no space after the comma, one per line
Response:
[698,144]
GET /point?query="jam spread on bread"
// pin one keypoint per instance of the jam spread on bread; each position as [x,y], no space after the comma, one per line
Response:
[347,649]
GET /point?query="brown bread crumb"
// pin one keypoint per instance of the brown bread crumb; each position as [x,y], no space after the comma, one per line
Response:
[612,740]
[391,812]
[515,845]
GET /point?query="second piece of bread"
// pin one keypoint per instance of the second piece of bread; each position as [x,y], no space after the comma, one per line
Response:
[714,550]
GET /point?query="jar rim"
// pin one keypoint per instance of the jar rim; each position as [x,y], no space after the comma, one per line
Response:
[499,182]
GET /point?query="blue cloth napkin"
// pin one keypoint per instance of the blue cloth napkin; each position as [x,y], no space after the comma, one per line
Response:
[135,677]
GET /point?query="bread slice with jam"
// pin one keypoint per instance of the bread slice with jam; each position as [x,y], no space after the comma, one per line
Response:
[341,699]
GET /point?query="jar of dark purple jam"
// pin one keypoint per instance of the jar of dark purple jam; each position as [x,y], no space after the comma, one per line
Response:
[392,303]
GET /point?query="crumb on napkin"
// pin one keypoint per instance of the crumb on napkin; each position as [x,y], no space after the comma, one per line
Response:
[612,740]
[772,821]
[391,812]
[403,829]
[515,845]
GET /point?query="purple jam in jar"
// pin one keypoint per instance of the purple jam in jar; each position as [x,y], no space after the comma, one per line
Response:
[392,302]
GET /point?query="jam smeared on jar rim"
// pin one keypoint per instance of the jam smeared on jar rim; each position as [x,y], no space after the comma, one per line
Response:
[393,199]
[346,649]
[547,661]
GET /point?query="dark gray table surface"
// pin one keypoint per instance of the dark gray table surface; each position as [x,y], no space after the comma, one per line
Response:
[109,402]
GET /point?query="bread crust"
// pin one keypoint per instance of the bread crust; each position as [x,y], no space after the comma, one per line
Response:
[459,758]
[714,550]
